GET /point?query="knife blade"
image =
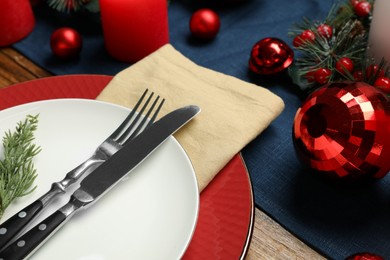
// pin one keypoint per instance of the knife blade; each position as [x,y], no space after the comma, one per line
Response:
[101,180]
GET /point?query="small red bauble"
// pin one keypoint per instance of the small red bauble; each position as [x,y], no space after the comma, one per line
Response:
[325,31]
[307,36]
[362,8]
[365,256]
[205,24]
[66,43]
[270,55]
[344,65]
[322,75]
[383,83]
[342,130]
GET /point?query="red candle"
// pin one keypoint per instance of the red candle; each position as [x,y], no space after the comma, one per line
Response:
[16,20]
[134,28]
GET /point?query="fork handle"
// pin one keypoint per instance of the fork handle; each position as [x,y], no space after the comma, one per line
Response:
[10,228]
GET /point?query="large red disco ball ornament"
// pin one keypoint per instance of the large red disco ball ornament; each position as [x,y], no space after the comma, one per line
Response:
[343,131]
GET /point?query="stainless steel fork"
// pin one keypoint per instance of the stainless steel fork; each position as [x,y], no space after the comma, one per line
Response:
[129,128]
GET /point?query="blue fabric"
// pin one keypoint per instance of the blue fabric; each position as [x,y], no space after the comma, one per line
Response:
[336,221]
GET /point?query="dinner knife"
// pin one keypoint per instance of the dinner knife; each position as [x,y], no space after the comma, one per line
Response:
[101,180]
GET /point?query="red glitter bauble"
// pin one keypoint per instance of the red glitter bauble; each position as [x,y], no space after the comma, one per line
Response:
[270,56]
[205,24]
[66,43]
[342,131]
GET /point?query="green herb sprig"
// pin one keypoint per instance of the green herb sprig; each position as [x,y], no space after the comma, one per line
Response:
[17,172]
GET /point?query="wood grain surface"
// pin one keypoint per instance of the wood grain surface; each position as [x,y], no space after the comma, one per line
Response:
[269,239]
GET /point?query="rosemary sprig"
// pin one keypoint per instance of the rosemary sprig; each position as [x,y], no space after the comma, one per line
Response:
[17,172]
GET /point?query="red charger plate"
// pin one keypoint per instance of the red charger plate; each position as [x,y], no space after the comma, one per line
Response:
[226,213]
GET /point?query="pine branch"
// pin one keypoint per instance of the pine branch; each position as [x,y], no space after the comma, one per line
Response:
[17,172]
[349,40]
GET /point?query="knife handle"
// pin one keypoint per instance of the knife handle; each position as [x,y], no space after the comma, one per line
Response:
[26,244]
[10,228]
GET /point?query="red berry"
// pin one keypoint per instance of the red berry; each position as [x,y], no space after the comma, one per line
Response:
[362,9]
[325,31]
[310,76]
[305,37]
[322,75]
[343,65]
[383,83]
[358,75]
[354,2]
[372,71]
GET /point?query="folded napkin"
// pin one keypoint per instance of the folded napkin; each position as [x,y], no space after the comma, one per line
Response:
[233,112]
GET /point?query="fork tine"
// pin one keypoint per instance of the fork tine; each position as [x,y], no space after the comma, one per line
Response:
[142,124]
[156,113]
[128,133]
[116,134]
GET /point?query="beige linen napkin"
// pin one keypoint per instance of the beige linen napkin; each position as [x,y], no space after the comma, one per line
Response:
[233,112]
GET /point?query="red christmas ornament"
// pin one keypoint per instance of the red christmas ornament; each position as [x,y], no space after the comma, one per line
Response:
[362,8]
[383,83]
[205,24]
[322,75]
[342,130]
[365,256]
[66,43]
[307,36]
[325,31]
[344,65]
[269,56]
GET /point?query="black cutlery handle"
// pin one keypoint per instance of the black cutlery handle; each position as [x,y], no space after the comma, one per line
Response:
[10,228]
[30,241]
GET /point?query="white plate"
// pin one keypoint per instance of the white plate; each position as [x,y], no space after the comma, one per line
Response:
[150,215]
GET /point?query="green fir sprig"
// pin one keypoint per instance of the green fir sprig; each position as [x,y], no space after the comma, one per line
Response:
[349,39]
[17,172]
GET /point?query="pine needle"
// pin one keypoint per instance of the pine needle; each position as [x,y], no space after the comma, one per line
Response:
[17,172]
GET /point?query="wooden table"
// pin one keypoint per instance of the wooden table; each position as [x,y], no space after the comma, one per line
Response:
[269,240]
